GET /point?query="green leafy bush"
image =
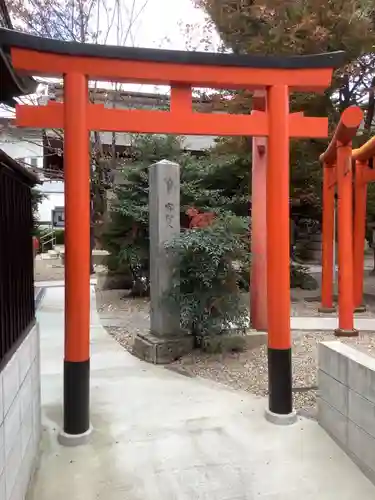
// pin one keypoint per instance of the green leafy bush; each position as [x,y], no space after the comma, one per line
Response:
[60,236]
[207,183]
[126,234]
[36,199]
[205,284]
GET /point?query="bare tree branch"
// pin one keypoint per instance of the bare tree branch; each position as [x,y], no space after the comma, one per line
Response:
[83,21]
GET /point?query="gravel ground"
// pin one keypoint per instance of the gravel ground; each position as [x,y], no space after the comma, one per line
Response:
[306,302]
[52,269]
[117,302]
[247,370]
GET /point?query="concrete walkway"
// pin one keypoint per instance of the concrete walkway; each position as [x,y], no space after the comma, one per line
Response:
[59,283]
[162,436]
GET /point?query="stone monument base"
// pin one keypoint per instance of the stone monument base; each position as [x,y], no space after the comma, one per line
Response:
[161,350]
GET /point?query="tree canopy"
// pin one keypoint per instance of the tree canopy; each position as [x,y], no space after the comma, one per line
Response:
[306,27]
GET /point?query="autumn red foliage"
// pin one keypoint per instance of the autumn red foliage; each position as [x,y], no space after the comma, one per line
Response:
[198,219]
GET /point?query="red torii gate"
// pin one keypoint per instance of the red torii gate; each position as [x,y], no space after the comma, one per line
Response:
[363,174]
[350,171]
[337,168]
[276,76]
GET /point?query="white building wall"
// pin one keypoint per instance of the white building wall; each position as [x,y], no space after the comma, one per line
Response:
[50,203]
[21,149]
[28,150]
[189,142]
[54,192]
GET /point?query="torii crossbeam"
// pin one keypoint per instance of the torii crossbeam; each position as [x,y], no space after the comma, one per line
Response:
[276,76]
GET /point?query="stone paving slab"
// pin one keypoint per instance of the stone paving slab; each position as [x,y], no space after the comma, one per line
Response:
[320,323]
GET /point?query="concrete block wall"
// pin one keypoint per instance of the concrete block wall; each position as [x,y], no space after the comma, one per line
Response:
[20,418]
[346,401]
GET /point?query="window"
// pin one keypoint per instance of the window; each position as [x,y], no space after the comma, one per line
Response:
[34,162]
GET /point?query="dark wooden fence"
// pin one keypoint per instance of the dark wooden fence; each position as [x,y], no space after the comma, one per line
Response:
[17,305]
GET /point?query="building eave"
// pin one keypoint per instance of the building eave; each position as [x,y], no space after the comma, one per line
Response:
[7,162]
[12,84]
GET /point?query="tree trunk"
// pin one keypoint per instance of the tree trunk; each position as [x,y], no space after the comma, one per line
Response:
[370,108]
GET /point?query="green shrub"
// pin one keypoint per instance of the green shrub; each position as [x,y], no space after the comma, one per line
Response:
[205,283]
[60,236]
[36,199]
[213,183]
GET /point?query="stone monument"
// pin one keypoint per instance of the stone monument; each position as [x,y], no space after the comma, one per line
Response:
[165,342]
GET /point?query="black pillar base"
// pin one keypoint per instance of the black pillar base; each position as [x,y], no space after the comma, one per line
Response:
[327,310]
[360,309]
[340,332]
[280,381]
[76,397]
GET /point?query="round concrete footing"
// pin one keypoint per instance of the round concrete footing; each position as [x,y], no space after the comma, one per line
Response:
[327,310]
[275,418]
[360,309]
[340,332]
[74,439]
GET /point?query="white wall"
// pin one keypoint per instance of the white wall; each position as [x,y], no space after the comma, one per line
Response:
[54,192]
[28,149]
[23,148]
[49,204]
[20,418]
[190,142]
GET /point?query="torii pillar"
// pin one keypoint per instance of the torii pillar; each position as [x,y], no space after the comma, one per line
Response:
[359,230]
[76,427]
[278,258]
[258,279]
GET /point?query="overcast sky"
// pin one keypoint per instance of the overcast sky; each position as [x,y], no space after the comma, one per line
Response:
[159,24]
[155,23]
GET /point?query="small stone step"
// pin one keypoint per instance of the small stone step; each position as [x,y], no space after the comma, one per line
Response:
[50,255]
[59,249]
